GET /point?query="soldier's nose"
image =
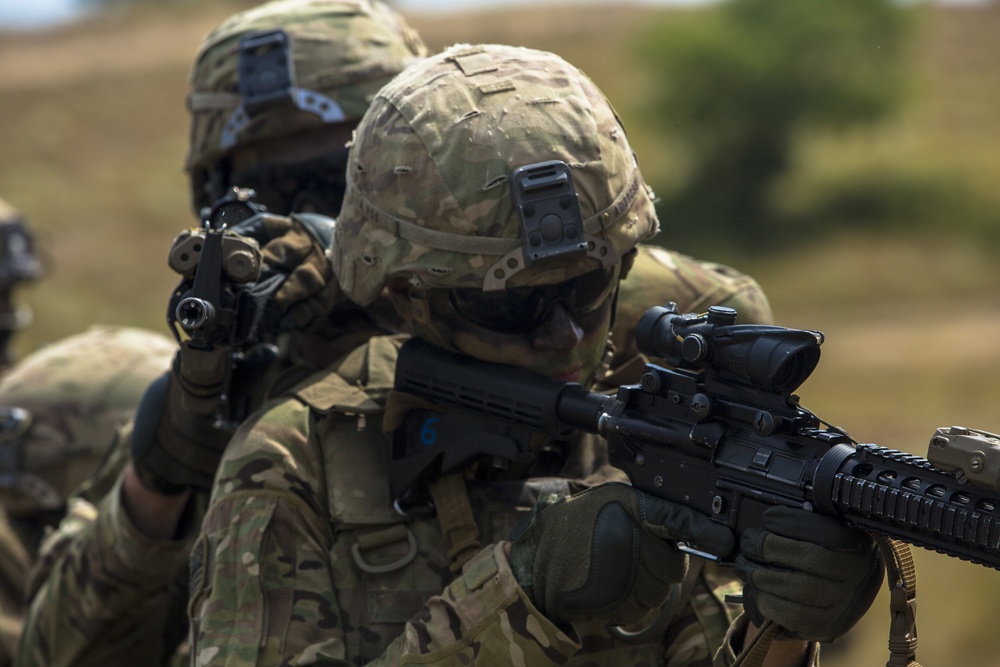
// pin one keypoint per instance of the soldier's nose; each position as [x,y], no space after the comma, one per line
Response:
[558,332]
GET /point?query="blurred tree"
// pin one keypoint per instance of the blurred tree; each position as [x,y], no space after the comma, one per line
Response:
[734,83]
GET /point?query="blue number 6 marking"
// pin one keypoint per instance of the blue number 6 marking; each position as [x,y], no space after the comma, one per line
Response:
[428,435]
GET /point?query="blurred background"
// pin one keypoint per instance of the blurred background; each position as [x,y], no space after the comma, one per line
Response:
[848,157]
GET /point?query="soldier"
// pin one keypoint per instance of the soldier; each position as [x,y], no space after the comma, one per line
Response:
[304,557]
[19,263]
[261,153]
[60,408]
[276,91]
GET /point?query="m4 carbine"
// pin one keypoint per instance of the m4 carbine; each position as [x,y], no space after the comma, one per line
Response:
[213,311]
[716,428]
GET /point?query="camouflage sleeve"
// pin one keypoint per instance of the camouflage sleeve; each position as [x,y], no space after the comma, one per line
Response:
[14,564]
[108,593]
[265,588]
[482,618]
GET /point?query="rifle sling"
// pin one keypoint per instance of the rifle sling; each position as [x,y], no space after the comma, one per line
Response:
[451,499]
[754,654]
[901,578]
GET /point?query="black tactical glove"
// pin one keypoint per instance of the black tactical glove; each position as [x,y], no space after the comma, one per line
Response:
[176,444]
[810,574]
[294,252]
[608,554]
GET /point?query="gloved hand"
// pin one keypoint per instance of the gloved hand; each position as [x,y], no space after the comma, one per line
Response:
[295,247]
[810,574]
[608,553]
[176,444]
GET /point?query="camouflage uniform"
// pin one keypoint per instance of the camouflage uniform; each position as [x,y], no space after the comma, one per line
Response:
[285,549]
[14,565]
[69,398]
[102,592]
[302,557]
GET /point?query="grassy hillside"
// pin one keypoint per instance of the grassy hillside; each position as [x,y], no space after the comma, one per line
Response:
[93,131]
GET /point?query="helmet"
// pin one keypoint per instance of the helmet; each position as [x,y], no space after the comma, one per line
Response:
[60,407]
[287,67]
[488,167]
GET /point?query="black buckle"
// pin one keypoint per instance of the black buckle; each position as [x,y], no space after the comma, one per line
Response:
[549,206]
[266,71]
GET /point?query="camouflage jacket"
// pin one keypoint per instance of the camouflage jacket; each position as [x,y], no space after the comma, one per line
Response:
[14,564]
[102,593]
[303,559]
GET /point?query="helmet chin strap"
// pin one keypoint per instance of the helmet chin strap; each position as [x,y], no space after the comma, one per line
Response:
[604,366]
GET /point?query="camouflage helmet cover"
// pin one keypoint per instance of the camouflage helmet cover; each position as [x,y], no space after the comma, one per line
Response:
[428,196]
[75,392]
[343,51]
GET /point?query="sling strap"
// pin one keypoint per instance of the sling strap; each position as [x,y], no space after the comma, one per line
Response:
[901,578]
[454,512]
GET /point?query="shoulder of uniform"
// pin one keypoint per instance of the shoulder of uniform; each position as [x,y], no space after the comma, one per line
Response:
[358,384]
[679,263]
[327,392]
[694,284]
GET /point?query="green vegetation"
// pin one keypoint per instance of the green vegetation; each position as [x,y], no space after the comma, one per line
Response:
[736,88]
[896,264]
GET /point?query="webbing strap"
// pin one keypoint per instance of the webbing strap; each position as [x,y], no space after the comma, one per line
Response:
[487,245]
[901,577]
[754,654]
[451,499]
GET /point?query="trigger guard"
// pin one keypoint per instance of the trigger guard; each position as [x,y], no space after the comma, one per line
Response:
[654,630]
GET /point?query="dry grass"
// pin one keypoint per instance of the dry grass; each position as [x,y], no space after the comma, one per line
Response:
[93,133]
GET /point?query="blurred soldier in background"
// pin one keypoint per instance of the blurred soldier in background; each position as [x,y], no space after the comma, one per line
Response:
[70,397]
[19,263]
[60,407]
[275,94]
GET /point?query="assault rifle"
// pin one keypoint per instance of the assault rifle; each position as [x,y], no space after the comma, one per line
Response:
[213,311]
[717,429]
